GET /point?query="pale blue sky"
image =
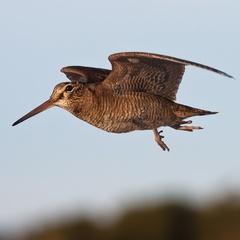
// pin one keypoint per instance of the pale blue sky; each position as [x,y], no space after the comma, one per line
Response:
[54,162]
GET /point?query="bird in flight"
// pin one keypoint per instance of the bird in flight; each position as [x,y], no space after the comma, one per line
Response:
[139,93]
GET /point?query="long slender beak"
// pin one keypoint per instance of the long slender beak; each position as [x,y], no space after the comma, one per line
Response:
[44,106]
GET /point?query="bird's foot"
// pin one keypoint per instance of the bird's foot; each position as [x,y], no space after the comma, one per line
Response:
[186,128]
[158,139]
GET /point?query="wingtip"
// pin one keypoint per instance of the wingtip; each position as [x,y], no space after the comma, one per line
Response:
[67,69]
[63,70]
[227,75]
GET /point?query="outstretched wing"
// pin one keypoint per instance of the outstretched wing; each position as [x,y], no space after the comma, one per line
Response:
[85,74]
[145,72]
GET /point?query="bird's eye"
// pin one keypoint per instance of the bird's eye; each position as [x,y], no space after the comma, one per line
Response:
[69,88]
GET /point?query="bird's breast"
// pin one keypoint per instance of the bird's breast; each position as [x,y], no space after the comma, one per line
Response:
[124,113]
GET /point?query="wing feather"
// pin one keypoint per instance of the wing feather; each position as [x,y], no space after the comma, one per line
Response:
[146,72]
[85,74]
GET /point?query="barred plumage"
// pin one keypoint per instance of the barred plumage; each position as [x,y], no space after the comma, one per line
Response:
[137,94]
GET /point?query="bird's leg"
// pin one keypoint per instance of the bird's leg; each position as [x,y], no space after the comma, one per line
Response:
[185,128]
[158,139]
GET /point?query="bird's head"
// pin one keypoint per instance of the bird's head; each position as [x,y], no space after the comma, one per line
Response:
[64,95]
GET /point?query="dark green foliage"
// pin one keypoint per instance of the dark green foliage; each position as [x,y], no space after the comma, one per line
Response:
[175,221]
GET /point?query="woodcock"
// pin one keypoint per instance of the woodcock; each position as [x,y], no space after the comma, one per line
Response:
[139,93]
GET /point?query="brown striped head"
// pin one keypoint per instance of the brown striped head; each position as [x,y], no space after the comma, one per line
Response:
[63,95]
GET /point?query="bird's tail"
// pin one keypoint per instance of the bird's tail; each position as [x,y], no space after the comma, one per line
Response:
[184,111]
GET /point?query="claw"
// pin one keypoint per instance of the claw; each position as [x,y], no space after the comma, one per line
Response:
[186,122]
[189,128]
[158,139]
[160,133]
[186,128]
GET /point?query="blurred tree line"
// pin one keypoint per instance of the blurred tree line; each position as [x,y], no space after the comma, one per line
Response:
[169,221]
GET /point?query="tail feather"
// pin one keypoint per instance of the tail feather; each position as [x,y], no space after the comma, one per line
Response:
[184,111]
[201,112]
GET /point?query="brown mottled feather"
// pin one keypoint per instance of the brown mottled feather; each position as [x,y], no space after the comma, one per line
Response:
[153,73]
[85,74]
[138,72]
[137,94]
